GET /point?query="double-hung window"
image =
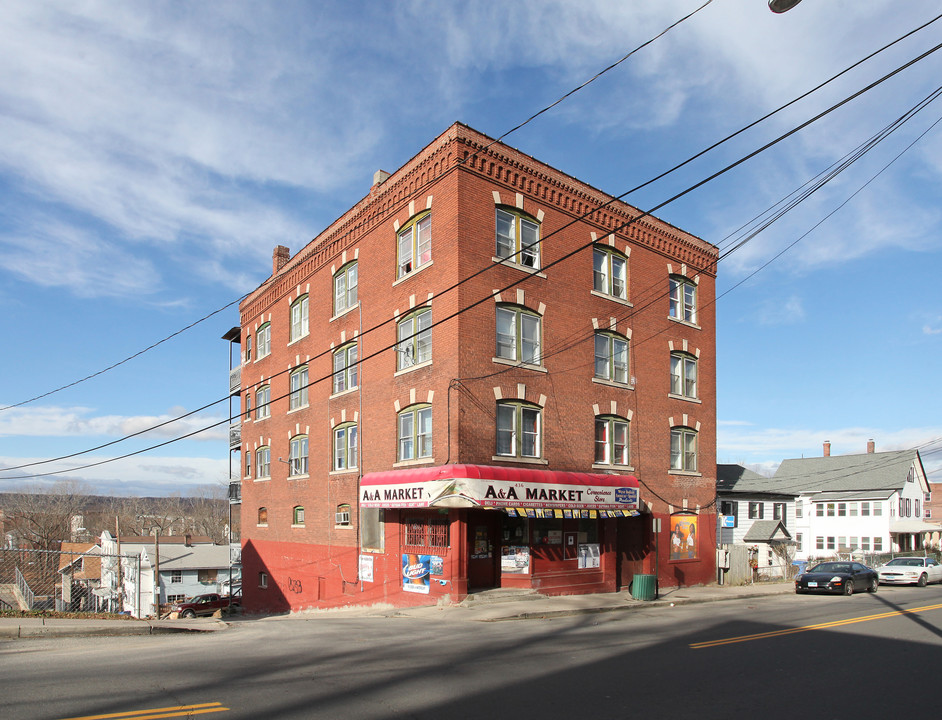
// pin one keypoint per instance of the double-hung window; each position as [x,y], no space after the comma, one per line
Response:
[415,339]
[345,288]
[518,238]
[345,368]
[298,515]
[611,357]
[298,381]
[263,341]
[610,273]
[415,433]
[684,375]
[684,449]
[345,447]
[518,335]
[263,462]
[299,318]
[262,402]
[297,459]
[611,441]
[756,510]
[683,299]
[415,244]
[518,430]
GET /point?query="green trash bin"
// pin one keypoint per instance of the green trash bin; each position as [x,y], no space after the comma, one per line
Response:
[642,587]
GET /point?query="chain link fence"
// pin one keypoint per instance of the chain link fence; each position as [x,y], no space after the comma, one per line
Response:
[73,582]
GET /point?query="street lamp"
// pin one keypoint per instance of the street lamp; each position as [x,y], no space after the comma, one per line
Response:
[780,6]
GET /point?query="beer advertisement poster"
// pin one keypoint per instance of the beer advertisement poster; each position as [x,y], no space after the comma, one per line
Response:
[415,573]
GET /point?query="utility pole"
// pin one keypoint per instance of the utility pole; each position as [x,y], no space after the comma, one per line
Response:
[117,537]
[157,573]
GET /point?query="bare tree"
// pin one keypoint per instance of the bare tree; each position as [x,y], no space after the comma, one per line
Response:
[208,512]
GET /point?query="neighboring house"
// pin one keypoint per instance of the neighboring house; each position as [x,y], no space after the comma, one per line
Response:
[753,514]
[442,393]
[867,504]
[186,565]
[80,577]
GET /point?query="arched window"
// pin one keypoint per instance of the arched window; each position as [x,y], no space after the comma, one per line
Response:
[342,516]
[610,272]
[611,357]
[298,382]
[262,400]
[263,462]
[297,459]
[518,334]
[683,299]
[415,433]
[519,430]
[345,368]
[297,515]
[263,341]
[611,440]
[263,516]
[345,447]
[518,237]
[298,318]
[684,375]
[414,333]
[415,243]
[345,288]
[684,449]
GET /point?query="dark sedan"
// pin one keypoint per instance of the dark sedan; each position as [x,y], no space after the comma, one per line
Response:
[838,577]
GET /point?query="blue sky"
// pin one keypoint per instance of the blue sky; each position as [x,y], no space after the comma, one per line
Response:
[151,156]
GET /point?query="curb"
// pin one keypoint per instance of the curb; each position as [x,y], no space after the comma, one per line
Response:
[119,629]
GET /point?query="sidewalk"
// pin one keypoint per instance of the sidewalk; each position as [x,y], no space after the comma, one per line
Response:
[492,606]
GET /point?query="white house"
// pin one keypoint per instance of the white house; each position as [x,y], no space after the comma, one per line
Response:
[755,514]
[866,504]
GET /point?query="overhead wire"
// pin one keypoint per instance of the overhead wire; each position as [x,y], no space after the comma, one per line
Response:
[573,252]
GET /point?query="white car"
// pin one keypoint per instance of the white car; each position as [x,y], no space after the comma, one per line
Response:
[910,571]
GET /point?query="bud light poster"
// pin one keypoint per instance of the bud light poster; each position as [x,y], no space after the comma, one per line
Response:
[415,573]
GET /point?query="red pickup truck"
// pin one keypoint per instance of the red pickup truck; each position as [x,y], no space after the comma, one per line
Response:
[203,605]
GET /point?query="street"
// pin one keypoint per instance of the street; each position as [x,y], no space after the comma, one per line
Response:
[769,657]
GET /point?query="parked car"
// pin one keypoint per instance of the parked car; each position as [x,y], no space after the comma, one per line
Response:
[838,577]
[203,605]
[910,571]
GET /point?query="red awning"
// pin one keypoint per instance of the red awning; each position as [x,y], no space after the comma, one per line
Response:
[488,486]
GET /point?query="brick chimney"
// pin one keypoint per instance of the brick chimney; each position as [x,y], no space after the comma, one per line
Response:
[188,540]
[827,448]
[379,177]
[279,258]
[870,446]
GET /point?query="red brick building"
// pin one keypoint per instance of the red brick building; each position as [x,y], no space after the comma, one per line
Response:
[484,374]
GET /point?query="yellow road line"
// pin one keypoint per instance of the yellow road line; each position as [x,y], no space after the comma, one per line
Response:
[156,713]
[806,628]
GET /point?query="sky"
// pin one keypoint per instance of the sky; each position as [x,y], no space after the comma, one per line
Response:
[153,154]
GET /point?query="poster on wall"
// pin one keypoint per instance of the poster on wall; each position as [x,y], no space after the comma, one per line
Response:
[415,573]
[515,560]
[366,568]
[589,556]
[684,537]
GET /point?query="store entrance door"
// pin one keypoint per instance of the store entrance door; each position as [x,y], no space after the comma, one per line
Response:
[483,529]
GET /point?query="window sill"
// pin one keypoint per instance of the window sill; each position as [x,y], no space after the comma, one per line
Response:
[417,461]
[298,339]
[523,365]
[263,479]
[298,409]
[685,398]
[412,273]
[684,322]
[517,266]
[600,466]
[261,357]
[347,471]
[424,363]
[343,527]
[613,383]
[262,525]
[515,459]
[303,476]
[613,298]
[260,419]
[344,392]
[345,311]
[295,527]
[687,473]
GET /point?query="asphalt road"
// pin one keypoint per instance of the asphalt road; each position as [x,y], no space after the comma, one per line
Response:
[772,657]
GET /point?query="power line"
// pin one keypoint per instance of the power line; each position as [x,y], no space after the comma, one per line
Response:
[548,265]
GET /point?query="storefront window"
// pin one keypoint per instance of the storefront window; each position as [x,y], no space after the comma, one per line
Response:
[515,548]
